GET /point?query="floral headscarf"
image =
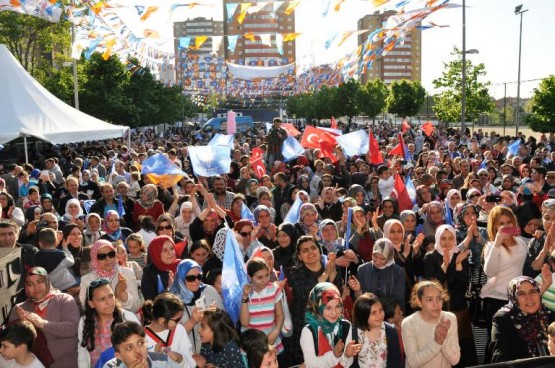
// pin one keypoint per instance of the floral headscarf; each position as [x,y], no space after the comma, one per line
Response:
[155,253]
[440,230]
[438,205]
[113,235]
[151,193]
[41,304]
[331,245]
[532,328]
[459,213]
[384,247]
[179,288]
[319,297]
[306,207]
[97,245]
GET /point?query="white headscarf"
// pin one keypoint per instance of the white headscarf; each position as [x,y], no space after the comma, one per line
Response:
[449,195]
[440,230]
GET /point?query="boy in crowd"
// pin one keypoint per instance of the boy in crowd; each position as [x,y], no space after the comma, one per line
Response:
[16,342]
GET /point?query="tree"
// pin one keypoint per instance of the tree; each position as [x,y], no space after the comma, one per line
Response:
[448,102]
[372,98]
[542,116]
[344,102]
[405,98]
[322,106]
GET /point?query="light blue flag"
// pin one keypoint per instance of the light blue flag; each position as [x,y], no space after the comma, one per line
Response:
[512,149]
[234,276]
[121,208]
[210,160]
[448,215]
[406,153]
[348,230]
[160,165]
[291,149]
[411,190]
[355,143]
[246,213]
[88,204]
[293,215]
[333,131]
[222,140]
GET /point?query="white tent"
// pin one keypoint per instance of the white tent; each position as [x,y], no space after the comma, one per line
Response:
[28,109]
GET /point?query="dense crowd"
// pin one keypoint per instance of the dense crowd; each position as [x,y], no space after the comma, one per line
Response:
[121,271]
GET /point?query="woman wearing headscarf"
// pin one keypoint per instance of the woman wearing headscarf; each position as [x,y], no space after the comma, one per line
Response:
[410,222]
[529,220]
[308,221]
[361,240]
[73,240]
[449,266]
[89,187]
[453,198]
[389,209]
[303,183]
[381,277]
[147,204]
[357,192]
[122,279]
[435,216]
[520,327]
[73,214]
[210,220]
[284,252]
[54,313]
[93,228]
[159,273]
[184,220]
[113,231]
[326,339]
[187,285]
[423,195]
[266,230]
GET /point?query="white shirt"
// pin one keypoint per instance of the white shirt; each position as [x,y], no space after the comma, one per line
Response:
[180,344]
[13,364]
[386,186]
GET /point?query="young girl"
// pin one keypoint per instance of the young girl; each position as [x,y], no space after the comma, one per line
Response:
[326,340]
[164,333]
[430,334]
[137,250]
[261,303]
[379,340]
[220,343]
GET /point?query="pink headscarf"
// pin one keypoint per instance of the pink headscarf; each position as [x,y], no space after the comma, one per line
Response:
[97,245]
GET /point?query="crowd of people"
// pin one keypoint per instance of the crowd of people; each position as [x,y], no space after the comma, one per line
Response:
[121,271]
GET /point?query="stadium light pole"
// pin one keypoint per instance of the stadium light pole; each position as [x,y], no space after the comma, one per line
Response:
[518,10]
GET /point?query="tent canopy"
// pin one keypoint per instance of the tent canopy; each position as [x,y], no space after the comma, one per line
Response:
[28,109]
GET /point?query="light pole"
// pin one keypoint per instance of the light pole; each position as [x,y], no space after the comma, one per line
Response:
[518,10]
[463,68]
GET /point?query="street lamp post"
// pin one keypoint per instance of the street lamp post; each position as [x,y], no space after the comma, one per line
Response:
[518,10]
[463,68]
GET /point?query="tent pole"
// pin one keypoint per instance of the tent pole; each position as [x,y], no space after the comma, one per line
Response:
[26,153]
[129,138]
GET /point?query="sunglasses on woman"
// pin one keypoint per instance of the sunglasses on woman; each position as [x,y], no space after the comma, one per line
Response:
[245,234]
[103,256]
[193,278]
[167,227]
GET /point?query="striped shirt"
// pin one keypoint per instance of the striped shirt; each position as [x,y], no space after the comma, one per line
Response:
[262,311]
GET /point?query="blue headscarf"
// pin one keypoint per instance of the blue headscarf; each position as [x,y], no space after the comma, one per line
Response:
[178,286]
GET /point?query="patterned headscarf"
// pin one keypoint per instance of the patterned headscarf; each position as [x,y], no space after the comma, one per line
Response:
[306,207]
[114,235]
[97,245]
[41,304]
[319,297]
[532,328]
[440,230]
[459,213]
[151,193]
[219,243]
[258,209]
[155,253]
[384,247]
[438,205]
[178,287]
[330,245]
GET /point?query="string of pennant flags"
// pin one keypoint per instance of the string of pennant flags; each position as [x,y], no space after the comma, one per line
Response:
[106,26]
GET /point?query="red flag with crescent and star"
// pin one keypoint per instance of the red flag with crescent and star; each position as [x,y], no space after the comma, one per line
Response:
[428,128]
[257,163]
[290,129]
[313,137]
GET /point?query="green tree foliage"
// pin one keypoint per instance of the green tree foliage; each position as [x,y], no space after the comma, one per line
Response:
[448,102]
[301,106]
[372,98]
[405,98]
[345,98]
[542,116]
[321,102]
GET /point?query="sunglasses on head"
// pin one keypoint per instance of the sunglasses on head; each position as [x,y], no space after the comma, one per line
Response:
[245,234]
[103,256]
[193,278]
[96,283]
[167,227]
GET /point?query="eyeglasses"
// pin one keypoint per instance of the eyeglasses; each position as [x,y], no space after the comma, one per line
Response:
[245,234]
[167,227]
[103,256]
[193,278]
[96,283]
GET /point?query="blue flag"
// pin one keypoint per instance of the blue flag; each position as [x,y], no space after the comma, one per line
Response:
[406,153]
[121,209]
[246,213]
[222,140]
[281,274]
[160,169]
[411,190]
[291,149]
[88,204]
[234,276]
[355,143]
[483,164]
[512,149]
[448,215]
[210,160]
[293,215]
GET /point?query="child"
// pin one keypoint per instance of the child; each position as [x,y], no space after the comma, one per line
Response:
[261,303]
[129,342]
[386,182]
[58,263]
[551,341]
[134,186]
[220,343]
[137,250]
[164,333]
[124,261]
[430,334]
[16,342]
[252,342]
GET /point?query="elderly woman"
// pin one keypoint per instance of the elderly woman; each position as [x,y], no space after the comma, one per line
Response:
[147,204]
[520,327]
[308,221]
[187,285]
[158,275]
[113,232]
[434,217]
[265,230]
[54,313]
[73,214]
[122,279]
[93,228]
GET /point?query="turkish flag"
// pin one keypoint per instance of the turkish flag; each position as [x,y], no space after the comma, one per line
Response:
[258,166]
[428,128]
[333,123]
[374,149]
[326,150]
[256,153]
[405,126]
[397,150]
[400,192]
[313,137]
[290,129]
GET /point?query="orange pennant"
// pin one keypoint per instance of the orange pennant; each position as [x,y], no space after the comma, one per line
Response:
[148,13]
